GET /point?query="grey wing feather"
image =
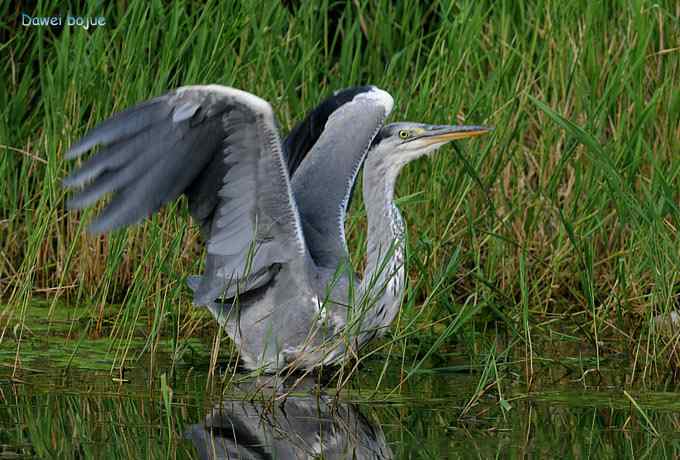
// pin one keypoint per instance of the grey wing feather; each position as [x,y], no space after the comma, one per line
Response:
[219,146]
[122,125]
[304,135]
[323,182]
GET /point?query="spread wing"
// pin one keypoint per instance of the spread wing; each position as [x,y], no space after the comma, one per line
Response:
[325,153]
[305,134]
[219,146]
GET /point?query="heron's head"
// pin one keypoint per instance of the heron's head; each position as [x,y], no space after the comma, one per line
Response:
[400,143]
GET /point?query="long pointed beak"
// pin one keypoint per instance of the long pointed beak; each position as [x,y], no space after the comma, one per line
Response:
[438,134]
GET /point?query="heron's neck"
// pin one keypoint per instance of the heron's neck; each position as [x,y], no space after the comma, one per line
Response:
[383,283]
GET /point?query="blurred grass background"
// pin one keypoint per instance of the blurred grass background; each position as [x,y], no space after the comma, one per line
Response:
[558,233]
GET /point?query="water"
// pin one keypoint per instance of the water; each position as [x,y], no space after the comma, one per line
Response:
[63,401]
[80,413]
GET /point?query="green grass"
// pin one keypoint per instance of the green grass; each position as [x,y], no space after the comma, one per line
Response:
[557,234]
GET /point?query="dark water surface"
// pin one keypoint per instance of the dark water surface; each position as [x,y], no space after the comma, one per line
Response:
[76,413]
[59,398]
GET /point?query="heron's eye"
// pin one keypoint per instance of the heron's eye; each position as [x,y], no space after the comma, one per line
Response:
[404,134]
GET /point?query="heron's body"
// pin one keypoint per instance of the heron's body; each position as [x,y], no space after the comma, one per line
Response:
[277,275]
[316,303]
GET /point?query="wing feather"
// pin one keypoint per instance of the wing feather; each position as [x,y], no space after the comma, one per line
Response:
[122,125]
[324,180]
[305,134]
[219,146]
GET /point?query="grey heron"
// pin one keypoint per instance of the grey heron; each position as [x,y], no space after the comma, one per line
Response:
[272,213]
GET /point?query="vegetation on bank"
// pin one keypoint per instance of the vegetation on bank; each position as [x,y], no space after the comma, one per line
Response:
[558,234]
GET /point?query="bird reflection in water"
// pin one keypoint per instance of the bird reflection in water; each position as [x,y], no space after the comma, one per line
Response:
[281,422]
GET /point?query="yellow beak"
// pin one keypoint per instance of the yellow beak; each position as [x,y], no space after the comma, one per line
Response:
[439,134]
